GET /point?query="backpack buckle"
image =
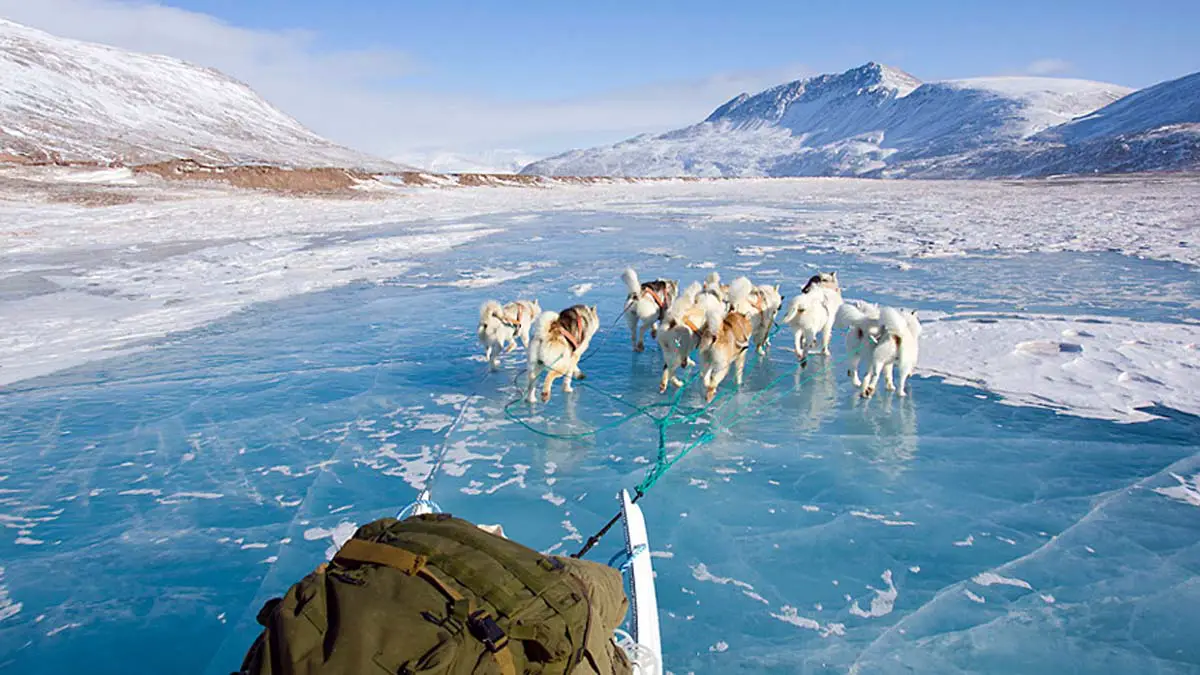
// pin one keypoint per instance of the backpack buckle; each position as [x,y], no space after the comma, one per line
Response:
[485,629]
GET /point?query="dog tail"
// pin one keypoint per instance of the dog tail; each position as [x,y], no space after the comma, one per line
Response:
[739,291]
[631,281]
[714,316]
[794,308]
[850,315]
[710,302]
[675,312]
[895,324]
[691,293]
[541,329]
[914,324]
[488,310]
[712,281]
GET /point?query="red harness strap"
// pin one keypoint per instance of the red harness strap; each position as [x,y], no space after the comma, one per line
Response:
[657,299]
[572,339]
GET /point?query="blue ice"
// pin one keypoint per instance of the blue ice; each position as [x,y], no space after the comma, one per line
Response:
[152,502]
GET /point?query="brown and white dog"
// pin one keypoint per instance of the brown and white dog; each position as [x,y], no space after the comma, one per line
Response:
[559,340]
[724,340]
[679,332]
[759,304]
[500,326]
[766,299]
[646,304]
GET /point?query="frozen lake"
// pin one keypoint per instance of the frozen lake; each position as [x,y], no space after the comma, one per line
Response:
[154,500]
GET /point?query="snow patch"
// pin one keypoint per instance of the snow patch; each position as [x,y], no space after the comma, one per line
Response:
[993,579]
[883,602]
[1186,492]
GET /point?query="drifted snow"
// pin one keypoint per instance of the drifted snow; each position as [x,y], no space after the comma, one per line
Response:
[1090,366]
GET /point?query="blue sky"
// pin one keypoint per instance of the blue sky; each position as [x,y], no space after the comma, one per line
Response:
[558,49]
[398,77]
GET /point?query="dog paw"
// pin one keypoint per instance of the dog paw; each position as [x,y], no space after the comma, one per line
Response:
[545,397]
[803,361]
[579,375]
[639,347]
[662,388]
[868,392]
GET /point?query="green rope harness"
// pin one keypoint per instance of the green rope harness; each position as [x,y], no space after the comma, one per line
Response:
[675,414]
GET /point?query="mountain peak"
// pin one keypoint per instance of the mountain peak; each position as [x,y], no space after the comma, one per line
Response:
[769,106]
[887,76]
[876,120]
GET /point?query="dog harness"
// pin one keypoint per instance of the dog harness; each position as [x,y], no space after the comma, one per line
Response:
[572,339]
[757,300]
[657,299]
[514,324]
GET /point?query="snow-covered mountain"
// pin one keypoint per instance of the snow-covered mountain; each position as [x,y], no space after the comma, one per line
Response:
[1154,129]
[65,100]
[1166,104]
[879,121]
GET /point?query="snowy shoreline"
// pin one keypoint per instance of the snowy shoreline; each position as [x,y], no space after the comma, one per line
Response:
[79,284]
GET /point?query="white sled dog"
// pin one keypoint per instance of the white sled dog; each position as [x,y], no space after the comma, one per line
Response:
[559,340]
[813,312]
[863,329]
[646,304]
[500,326]
[897,346]
[724,339]
[679,332]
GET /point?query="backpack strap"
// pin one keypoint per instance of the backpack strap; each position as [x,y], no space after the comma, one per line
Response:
[481,624]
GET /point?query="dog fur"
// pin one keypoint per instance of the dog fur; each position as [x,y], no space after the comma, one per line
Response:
[646,304]
[501,325]
[761,306]
[863,330]
[897,346]
[559,340]
[679,332]
[813,312]
[724,340]
[713,287]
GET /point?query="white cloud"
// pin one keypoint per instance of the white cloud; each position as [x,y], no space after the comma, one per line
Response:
[358,97]
[1049,67]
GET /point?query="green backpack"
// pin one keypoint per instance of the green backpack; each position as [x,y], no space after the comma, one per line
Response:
[435,594]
